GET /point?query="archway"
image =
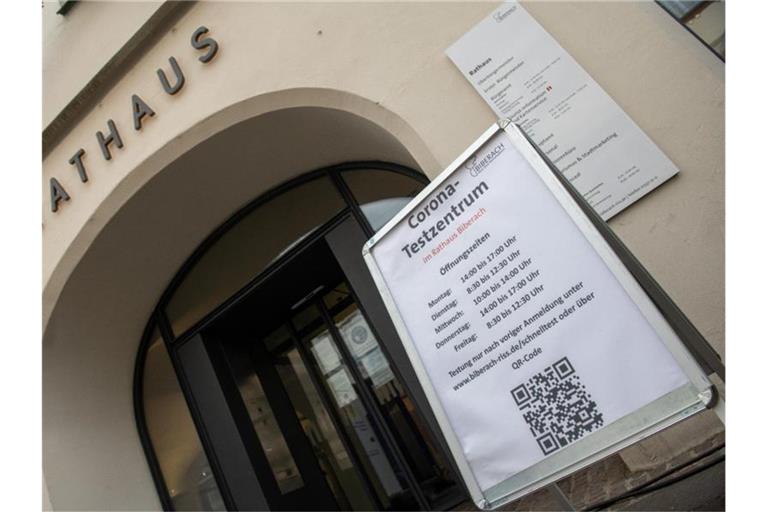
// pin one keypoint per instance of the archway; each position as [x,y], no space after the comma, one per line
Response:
[159,217]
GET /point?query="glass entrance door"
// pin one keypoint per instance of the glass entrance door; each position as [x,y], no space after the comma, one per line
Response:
[336,374]
[322,413]
[336,428]
[304,404]
[322,443]
[374,406]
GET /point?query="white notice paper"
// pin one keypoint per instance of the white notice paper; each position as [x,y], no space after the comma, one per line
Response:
[526,76]
[529,339]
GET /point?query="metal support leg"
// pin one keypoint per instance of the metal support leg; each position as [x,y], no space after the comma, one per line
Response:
[562,500]
[719,409]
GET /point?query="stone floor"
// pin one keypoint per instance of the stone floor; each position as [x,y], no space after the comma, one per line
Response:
[611,477]
[703,491]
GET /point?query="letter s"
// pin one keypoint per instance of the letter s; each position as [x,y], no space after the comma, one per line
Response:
[208,42]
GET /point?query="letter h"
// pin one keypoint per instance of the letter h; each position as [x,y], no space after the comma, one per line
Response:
[104,142]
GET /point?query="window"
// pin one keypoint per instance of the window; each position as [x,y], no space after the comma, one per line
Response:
[247,245]
[183,464]
[250,245]
[65,6]
[381,194]
[706,20]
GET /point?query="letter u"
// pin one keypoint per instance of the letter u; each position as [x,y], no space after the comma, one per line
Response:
[179,78]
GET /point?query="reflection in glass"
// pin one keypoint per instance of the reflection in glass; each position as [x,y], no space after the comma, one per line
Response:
[271,438]
[381,194]
[706,19]
[316,422]
[379,212]
[386,478]
[415,441]
[180,455]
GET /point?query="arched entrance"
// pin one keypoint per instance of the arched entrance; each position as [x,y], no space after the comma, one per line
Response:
[299,385]
[91,335]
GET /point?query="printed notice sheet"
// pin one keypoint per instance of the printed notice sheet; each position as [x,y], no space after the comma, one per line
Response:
[527,336]
[524,75]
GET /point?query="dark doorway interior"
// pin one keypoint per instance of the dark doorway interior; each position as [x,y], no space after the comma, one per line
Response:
[327,422]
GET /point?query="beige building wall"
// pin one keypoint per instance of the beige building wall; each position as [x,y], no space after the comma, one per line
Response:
[77,46]
[110,251]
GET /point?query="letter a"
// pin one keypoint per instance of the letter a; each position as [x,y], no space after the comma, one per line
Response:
[140,109]
[57,194]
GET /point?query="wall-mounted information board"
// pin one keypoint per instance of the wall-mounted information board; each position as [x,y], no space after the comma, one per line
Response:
[523,74]
[538,349]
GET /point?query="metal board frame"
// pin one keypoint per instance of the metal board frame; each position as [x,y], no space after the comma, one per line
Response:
[670,324]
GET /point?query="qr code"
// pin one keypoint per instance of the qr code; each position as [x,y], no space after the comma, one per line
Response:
[556,406]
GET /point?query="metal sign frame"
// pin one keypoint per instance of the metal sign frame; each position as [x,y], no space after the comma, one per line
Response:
[681,338]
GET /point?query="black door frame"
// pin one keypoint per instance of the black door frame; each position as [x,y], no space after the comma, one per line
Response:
[233,444]
[225,441]
[365,393]
[212,338]
[327,400]
[159,321]
[299,445]
[379,423]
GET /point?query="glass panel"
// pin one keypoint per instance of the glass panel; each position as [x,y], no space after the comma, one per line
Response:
[316,422]
[416,443]
[369,185]
[270,437]
[263,235]
[180,455]
[705,19]
[681,8]
[304,317]
[379,212]
[386,478]
[381,194]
